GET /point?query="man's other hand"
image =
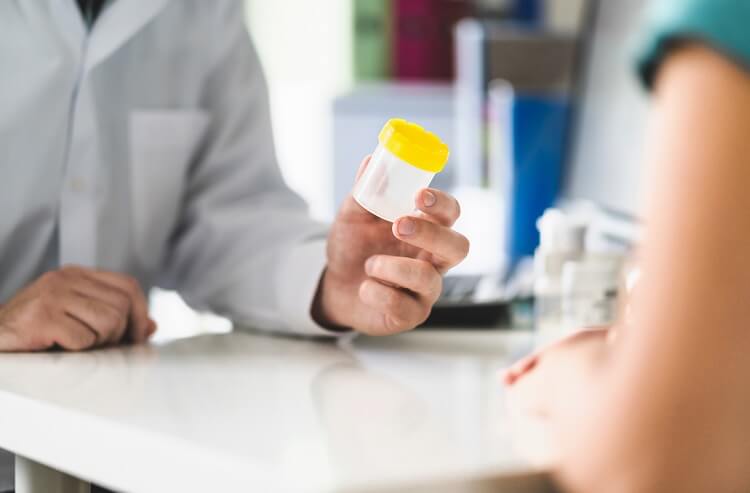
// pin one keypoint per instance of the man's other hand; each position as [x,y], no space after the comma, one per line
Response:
[75,308]
[383,278]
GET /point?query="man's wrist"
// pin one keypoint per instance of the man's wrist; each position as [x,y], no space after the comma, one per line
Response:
[324,310]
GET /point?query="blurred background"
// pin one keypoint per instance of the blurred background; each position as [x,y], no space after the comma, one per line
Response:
[537,101]
[316,52]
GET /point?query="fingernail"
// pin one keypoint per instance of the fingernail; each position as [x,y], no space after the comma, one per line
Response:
[369,264]
[406,227]
[429,198]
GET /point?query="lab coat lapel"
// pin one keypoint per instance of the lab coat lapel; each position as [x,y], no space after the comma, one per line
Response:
[59,20]
[118,23]
[73,29]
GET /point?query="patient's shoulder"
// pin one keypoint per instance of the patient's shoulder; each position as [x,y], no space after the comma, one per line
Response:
[721,24]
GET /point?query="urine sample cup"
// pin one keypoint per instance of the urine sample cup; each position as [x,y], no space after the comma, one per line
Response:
[405,161]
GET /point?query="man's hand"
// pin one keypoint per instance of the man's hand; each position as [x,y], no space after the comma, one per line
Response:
[75,308]
[383,278]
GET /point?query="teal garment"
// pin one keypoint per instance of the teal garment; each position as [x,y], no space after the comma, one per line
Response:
[724,25]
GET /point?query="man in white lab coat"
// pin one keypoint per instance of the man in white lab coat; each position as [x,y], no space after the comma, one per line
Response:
[135,145]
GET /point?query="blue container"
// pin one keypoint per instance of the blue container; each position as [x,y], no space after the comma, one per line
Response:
[538,134]
[529,11]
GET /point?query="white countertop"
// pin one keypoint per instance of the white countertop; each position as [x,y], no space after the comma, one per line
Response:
[241,412]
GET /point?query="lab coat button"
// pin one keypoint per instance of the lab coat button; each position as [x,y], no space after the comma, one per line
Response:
[78,185]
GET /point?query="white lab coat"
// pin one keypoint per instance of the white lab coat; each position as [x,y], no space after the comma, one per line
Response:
[145,147]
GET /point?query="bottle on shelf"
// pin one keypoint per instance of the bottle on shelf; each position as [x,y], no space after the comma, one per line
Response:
[561,240]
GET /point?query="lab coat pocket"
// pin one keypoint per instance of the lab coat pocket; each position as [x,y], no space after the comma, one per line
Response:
[163,144]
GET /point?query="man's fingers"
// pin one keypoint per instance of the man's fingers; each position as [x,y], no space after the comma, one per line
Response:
[11,341]
[109,294]
[72,334]
[418,276]
[362,167]
[351,207]
[447,246]
[444,208]
[399,310]
[151,328]
[139,319]
[106,322]
[89,282]
[106,292]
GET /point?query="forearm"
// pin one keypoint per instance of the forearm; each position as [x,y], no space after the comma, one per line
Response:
[671,411]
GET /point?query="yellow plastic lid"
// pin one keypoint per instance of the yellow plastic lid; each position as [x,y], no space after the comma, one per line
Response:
[414,145]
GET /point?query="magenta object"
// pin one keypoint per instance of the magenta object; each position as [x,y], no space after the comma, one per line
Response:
[423,37]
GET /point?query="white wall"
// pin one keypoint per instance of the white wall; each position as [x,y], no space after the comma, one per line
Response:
[305,47]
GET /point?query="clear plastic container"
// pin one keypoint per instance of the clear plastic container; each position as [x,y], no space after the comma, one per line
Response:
[405,161]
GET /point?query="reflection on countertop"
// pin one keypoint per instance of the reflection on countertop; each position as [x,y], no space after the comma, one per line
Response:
[337,415]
